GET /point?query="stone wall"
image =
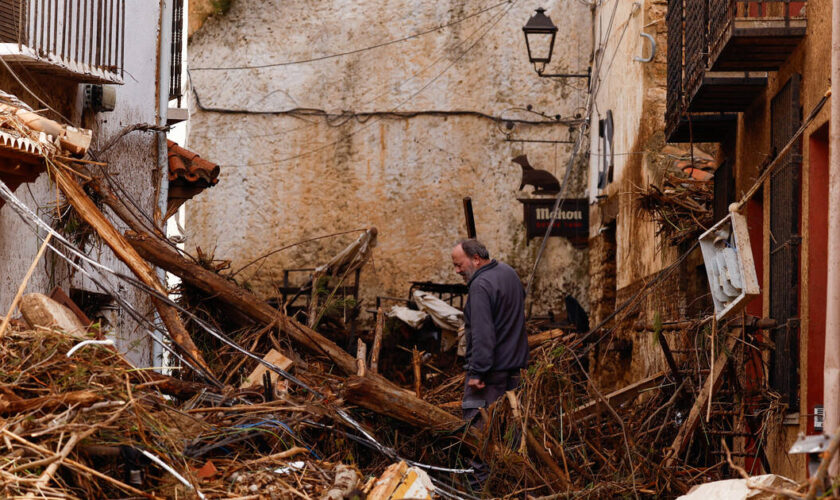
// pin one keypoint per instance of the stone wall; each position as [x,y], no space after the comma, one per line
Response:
[393,137]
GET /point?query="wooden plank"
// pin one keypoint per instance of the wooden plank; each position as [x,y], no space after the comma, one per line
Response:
[596,406]
[388,482]
[274,357]
[708,391]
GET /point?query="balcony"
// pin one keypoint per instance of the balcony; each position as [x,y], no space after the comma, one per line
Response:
[81,40]
[719,53]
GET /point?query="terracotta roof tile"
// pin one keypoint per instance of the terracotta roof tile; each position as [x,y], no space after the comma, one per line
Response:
[189,168]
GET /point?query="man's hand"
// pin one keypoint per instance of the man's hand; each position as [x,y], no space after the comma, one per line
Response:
[477,383]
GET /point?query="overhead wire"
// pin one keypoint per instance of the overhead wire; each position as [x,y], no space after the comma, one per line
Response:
[356,51]
[34,222]
[362,117]
[375,120]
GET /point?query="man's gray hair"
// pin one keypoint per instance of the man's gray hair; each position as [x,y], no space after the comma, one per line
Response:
[473,247]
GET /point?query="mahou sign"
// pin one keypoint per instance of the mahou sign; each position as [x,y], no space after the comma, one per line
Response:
[572,221]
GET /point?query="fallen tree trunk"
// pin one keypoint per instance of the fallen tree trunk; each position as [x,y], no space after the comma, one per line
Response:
[160,254]
[379,395]
[88,211]
[372,391]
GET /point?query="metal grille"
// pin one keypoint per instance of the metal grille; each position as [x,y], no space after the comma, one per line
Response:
[177,51]
[724,190]
[696,48]
[674,21]
[784,243]
[88,32]
[721,17]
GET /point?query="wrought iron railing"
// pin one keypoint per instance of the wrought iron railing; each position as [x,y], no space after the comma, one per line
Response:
[176,52]
[697,32]
[80,34]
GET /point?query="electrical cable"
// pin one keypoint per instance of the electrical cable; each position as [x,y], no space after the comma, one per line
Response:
[299,113]
[376,120]
[356,51]
[33,94]
[33,221]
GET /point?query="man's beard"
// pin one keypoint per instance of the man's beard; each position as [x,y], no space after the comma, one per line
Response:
[468,273]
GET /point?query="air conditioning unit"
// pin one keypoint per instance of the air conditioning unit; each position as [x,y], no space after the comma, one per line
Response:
[729,265]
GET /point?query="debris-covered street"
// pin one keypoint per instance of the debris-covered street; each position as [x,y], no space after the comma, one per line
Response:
[390,249]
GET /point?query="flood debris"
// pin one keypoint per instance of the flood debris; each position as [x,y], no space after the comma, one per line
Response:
[264,404]
[681,207]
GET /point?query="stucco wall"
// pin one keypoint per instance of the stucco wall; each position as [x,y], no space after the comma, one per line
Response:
[132,162]
[288,176]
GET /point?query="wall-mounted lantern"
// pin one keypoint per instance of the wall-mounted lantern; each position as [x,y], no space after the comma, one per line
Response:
[540,33]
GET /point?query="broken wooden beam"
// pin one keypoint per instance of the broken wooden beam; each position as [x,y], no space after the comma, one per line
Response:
[615,398]
[372,391]
[541,338]
[162,255]
[91,214]
[379,395]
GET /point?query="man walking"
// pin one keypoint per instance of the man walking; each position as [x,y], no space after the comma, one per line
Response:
[497,344]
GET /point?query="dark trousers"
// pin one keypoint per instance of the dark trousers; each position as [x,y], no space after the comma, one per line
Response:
[496,384]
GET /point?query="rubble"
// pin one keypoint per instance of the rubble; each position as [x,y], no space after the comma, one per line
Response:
[266,405]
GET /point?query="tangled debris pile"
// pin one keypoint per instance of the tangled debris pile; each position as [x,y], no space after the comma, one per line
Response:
[269,406]
[681,208]
[84,423]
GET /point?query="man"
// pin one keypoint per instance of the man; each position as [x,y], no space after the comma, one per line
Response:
[497,344]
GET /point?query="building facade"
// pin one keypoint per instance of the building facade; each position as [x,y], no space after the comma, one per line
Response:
[730,85]
[100,66]
[326,122]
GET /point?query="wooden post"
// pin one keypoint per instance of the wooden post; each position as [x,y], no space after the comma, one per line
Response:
[706,393]
[361,356]
[88,211]
[417,361]
[377,341]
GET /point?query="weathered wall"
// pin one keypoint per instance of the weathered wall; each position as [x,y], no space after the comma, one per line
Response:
[132,161]
[288,174]
[635,92]
[628,251]
[811,59]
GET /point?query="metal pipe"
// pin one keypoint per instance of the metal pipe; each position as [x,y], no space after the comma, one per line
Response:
[164,59]
[831,374]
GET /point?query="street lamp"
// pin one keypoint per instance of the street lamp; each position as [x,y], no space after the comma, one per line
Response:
[539,39]
[540,33]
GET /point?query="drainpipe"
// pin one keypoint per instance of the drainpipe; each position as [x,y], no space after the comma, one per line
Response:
[831,387]
[164,63]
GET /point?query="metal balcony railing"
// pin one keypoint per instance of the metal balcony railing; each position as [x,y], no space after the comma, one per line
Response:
[84,39]
[702,33]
